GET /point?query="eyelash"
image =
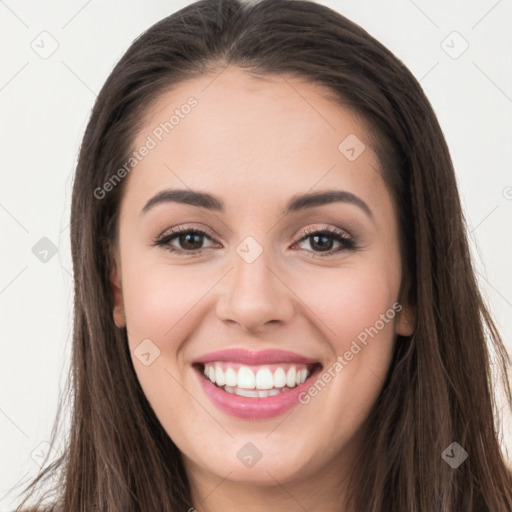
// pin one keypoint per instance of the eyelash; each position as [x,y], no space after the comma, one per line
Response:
[348,242]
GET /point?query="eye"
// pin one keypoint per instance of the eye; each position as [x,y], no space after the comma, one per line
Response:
[188,238]
[322,238]
[191,239]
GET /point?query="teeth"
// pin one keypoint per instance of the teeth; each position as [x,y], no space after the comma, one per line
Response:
[262,381]
[290,377]
[254,393]
[245,378]
[279,378]
[251,393]
[219,377]
[231,378]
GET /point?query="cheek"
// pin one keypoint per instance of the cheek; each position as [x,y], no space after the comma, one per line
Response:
[358,309]
[157,297]
[159,303]
[353,302]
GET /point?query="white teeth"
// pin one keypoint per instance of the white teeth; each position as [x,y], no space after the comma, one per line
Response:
[219,377]
[290,377]
[245,378]
[231,379]
[254,393]
[262,379]
[279,378]
[251,393]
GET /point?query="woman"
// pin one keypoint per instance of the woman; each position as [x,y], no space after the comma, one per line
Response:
[261,368]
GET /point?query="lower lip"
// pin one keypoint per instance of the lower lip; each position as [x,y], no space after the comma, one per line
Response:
[254,408]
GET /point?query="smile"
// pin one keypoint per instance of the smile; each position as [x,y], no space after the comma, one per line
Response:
[256,381]
[255,392]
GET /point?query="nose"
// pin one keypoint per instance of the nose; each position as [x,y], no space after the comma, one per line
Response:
[255,296]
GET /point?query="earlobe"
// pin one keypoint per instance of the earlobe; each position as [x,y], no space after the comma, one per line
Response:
[406,322]
[115,281]
[407,316]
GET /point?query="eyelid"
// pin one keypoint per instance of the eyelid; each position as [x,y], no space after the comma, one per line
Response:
[310,230]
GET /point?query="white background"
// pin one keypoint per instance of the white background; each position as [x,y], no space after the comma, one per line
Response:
[45,104]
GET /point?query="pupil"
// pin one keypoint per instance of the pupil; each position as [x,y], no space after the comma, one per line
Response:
[329,242]
[187,238]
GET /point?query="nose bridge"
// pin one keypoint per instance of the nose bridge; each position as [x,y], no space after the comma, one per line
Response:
[253,293]
[253,266]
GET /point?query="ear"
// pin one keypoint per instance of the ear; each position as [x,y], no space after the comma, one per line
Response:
[406,321]
[117,292]
[407,316]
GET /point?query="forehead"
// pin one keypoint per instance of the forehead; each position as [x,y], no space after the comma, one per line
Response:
[277,131]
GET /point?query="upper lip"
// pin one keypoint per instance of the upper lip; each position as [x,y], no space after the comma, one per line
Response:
[269,356]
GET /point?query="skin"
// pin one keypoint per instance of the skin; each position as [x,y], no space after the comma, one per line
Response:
[255,143]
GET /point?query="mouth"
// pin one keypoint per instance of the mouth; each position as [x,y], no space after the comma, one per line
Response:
[255,391]
[257,381]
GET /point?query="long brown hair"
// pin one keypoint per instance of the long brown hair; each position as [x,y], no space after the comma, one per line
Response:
[438,389]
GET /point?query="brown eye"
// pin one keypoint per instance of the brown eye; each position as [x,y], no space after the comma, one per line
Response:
[189,240]
[321,241]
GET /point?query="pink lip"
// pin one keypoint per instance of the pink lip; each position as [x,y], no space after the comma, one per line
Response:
[270,356]
[254,408]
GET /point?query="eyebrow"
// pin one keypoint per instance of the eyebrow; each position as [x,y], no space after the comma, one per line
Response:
[296,203]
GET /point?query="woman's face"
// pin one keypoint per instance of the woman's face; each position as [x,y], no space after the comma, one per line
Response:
[268,278]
